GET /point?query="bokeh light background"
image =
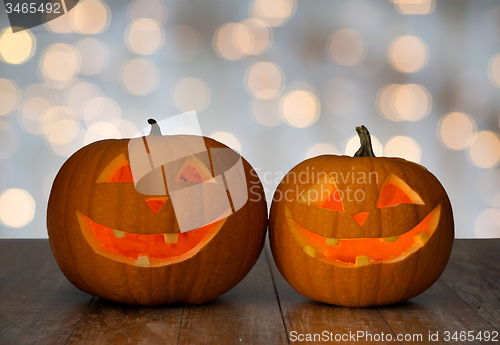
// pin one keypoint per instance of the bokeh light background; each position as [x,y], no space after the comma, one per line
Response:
[278,80]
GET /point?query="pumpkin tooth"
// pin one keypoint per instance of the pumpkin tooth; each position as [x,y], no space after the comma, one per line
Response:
[420,238]
[118,233]
[310,251]
[390,239]
[143,260]
[171,238]
[362,260]
[332,242]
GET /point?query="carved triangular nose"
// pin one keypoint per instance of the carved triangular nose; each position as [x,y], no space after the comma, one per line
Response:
[156,203]
[360,217]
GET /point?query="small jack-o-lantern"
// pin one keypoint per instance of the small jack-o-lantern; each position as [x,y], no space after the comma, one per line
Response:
[360,231]
[133,232]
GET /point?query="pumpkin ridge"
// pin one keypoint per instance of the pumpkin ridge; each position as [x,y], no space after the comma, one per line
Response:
[65,217]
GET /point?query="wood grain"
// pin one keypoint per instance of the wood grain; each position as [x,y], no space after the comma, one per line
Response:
[439,310]
[473,273]
[38,305]
[107,322]
[248,314]
[304,316]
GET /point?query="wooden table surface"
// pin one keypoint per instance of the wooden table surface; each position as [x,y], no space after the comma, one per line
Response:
[39,306]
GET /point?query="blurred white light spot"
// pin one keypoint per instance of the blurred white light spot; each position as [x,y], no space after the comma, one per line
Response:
[37,90]
[90,17]
[488,224]
[9,94]
[139,76]
[102,109]
[191,94]
[234,41]
[403,147]
[273,12]
[485,150]
[80,94]
[60,25]
[266,111]
[152,9]
[489,186]
[183,42]
[60,125]
[17,207]
[59,64]
[320,149]
[262,35]
[494,70]
[409,102]
[414,6]
[9,139]
[340,96]
[300,108]
[16,48]
[69,148]
[265,80]
[346,47]
[353,145]
[224,41]
[94,55]
[127,129]
[408,54]
[100,131]
[457,130]
[144,36]
[228,139]
[243,38]
[495,203]
[32,113]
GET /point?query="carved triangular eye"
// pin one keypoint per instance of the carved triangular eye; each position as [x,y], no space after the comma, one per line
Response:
[193,170]
[156,203]
[118,171]
[395,191]
[323,194]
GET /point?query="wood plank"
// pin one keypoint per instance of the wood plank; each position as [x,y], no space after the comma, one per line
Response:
[303,316]
[247,314]
[107,322]
[473,273]
[438,309]
[37,303]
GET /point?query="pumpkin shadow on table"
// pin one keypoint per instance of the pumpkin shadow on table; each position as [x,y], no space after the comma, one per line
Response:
[104,304]
[408,304]
[310,304]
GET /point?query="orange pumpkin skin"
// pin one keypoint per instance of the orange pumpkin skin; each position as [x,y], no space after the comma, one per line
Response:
[378,283]
[217,267]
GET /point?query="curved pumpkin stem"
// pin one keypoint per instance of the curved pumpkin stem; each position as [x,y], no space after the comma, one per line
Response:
[155,128]
[366,143]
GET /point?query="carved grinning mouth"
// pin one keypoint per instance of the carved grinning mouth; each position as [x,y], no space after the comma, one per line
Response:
[147,250]
[358,252]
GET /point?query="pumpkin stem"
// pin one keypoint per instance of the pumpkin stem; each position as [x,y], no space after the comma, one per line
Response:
[155,128]
[366,143]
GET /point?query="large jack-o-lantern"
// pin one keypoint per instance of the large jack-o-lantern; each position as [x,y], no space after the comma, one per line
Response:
[146,238]
[360,231]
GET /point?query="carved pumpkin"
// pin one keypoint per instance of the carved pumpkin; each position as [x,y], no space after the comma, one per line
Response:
[113,239]
[360,231]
